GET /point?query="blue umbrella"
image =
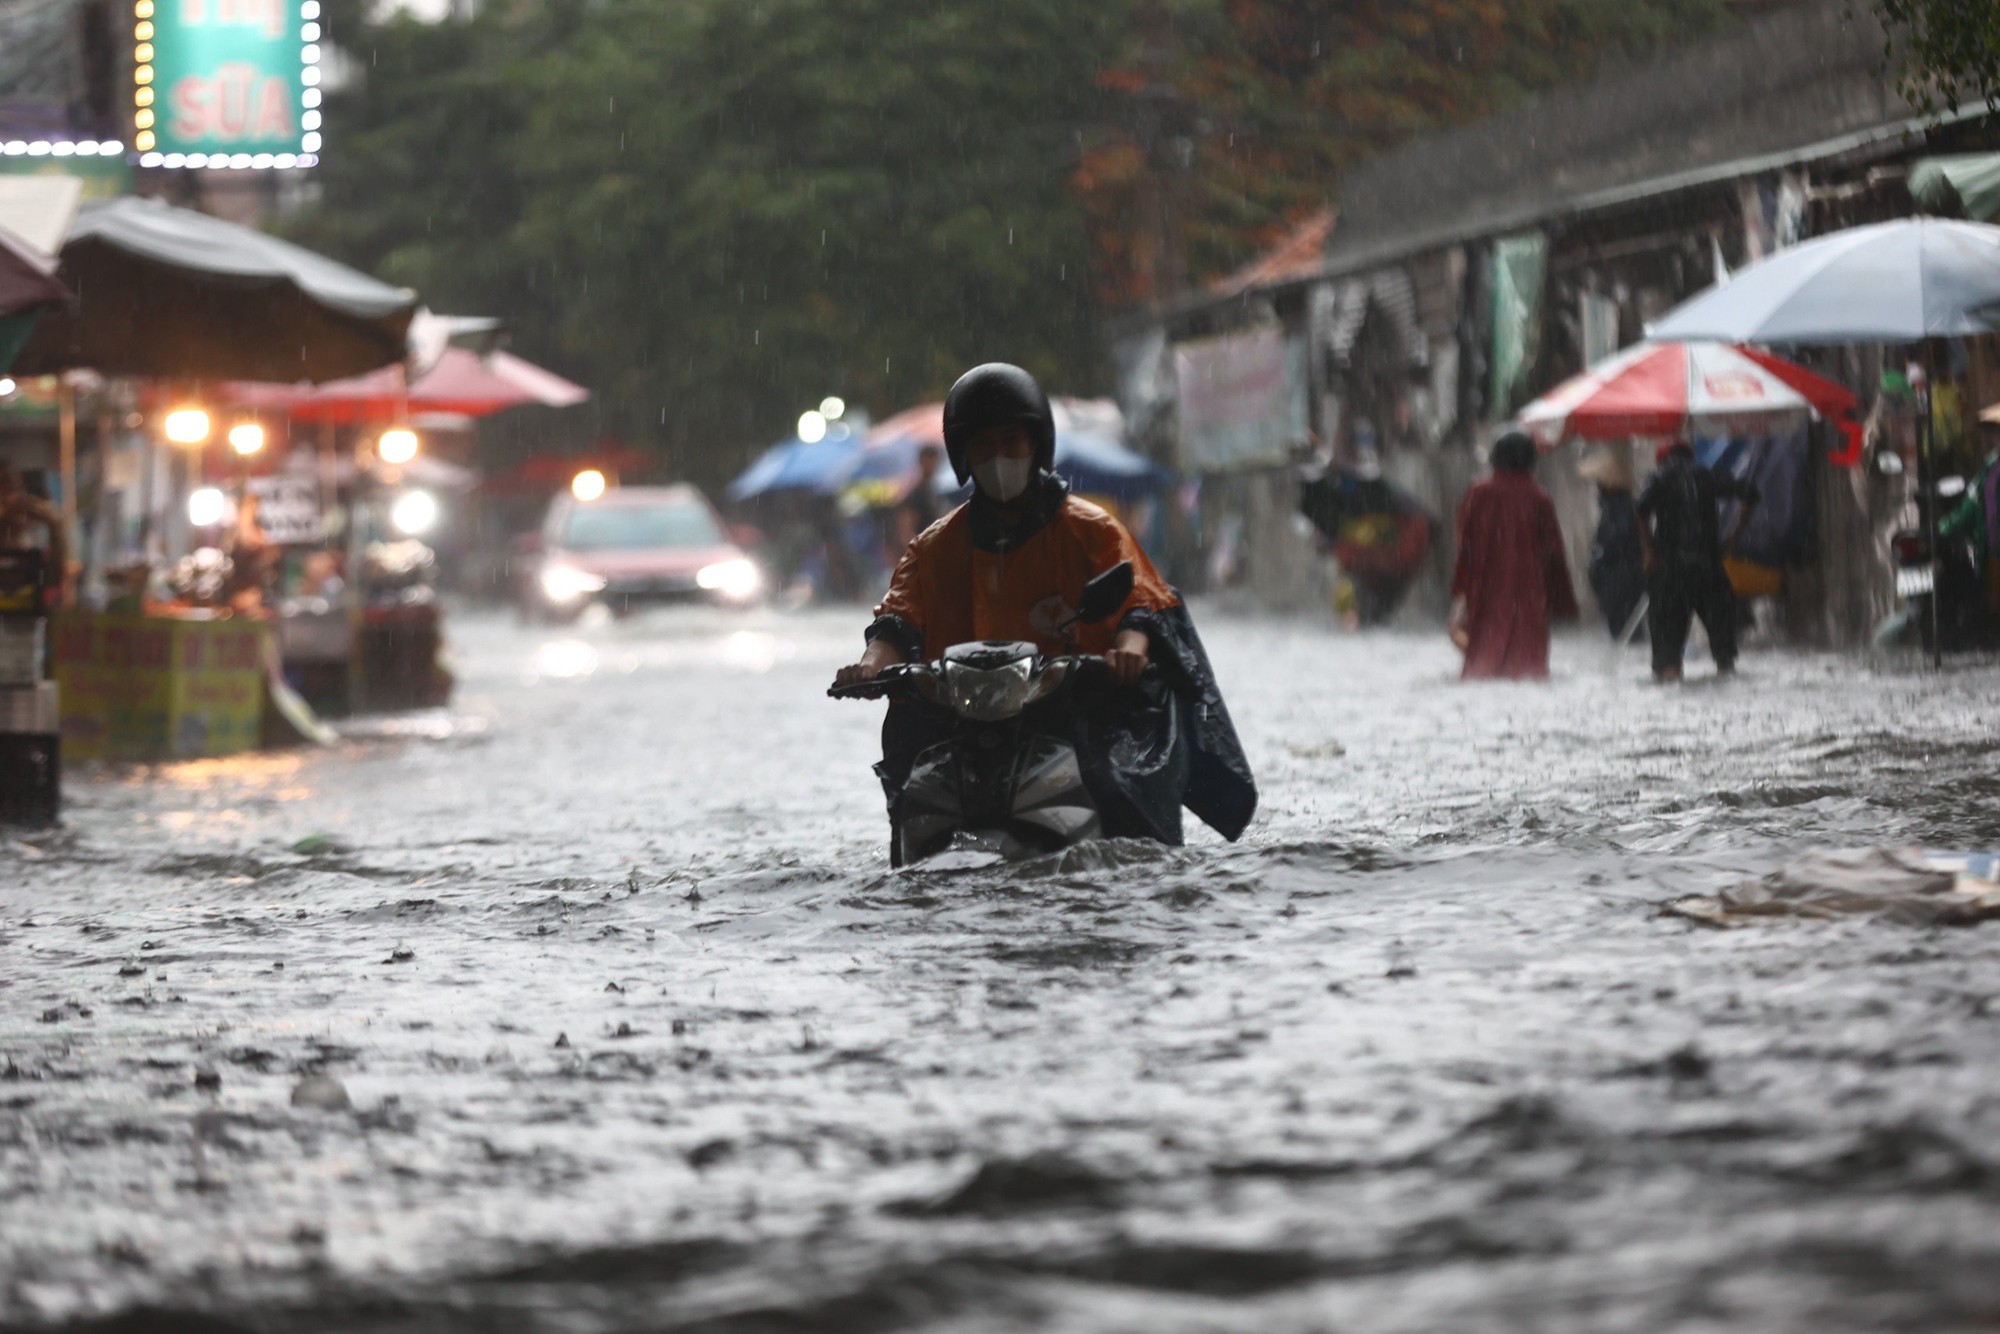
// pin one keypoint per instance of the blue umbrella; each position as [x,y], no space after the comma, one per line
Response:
[884,460]
[800,465]
[1092,464]
[1098,466]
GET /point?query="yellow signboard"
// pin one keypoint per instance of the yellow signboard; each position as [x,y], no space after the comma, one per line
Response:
[156,688]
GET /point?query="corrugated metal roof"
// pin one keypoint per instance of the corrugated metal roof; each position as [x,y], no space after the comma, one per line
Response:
[1302,254]
[1797,86]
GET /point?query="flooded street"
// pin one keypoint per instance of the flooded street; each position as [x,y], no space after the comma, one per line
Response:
[624,1022]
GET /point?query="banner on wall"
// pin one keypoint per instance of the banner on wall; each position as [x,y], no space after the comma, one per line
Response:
[1242,400]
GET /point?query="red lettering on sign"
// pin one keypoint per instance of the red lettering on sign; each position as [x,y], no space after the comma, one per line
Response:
[238,102]
[73,643]
[154,650]
[239,654]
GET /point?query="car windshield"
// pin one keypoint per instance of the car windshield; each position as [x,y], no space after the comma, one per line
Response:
[638,527]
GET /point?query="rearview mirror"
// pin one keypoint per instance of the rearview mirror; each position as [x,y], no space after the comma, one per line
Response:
[1104,595]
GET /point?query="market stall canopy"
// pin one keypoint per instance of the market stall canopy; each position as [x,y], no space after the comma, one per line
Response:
[39,209]
[1959,180]
[431,333]
[1890,282]
[461,382]
[28,287]
[1657,389]
[169,293]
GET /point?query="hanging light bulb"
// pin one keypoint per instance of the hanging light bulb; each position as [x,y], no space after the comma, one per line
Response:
[186,426]
[398,444]
[246,438]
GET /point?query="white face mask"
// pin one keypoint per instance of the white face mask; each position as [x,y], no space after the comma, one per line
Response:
[1004,479]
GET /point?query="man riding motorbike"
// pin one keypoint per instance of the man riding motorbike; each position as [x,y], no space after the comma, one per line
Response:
[1010,564]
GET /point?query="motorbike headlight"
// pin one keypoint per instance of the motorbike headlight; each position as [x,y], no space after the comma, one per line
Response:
[735,579]
[989,695]
[566,583]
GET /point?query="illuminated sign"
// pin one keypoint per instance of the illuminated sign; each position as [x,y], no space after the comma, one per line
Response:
[226,83]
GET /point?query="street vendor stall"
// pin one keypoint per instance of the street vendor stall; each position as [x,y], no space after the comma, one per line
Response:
[181,661]
[379,646]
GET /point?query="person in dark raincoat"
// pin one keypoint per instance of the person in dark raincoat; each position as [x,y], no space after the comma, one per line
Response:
[1512,579]
[1680,529]
[1378,535]
[1011,564]
[1617,557]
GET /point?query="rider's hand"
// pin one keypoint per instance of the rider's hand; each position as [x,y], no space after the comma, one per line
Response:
[1127,658]
[855,672]
[879,655]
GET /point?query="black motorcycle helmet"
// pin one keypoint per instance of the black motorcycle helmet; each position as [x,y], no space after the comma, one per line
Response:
[987,396]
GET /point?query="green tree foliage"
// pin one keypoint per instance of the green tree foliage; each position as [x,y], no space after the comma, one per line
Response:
[1266,100]
[1946,53]
[714,212]
[717,213]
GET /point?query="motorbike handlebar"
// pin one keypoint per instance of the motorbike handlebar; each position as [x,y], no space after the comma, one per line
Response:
[891,680]
[897,679]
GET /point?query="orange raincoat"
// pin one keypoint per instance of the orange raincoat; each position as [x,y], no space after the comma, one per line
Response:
[948,591]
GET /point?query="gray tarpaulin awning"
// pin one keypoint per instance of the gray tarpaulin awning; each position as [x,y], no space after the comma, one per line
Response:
[168,292]
[1970,179]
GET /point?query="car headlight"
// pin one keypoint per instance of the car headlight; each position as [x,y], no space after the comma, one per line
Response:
[737,578]
[566,583]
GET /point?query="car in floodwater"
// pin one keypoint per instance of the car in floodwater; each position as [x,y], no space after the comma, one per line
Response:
[632,547]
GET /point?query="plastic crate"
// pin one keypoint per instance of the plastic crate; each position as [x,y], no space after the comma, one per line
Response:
[35,708]
[21,653]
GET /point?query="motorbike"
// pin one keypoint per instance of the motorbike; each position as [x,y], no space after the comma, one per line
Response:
[1949,577]
[1006,778]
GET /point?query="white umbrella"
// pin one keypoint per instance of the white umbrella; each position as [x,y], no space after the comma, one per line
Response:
[1891,282]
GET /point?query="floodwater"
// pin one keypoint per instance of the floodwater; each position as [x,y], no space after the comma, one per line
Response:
[635,1029]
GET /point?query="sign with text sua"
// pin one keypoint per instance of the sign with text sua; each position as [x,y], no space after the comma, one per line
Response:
[226,83]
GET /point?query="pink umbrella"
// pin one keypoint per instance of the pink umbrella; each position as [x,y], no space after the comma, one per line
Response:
[923,424]
[461,382]
[1657,389]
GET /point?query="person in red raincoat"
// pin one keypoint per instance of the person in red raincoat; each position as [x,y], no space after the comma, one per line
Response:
[1512,579]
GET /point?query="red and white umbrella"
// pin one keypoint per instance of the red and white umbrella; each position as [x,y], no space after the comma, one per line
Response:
[1657,389]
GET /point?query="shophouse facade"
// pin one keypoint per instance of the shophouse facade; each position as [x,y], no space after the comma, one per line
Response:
[1471,271]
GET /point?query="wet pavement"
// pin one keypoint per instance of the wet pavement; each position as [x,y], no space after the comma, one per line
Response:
[593,1005]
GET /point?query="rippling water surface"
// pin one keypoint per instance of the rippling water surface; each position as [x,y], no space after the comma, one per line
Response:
[636,1030]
